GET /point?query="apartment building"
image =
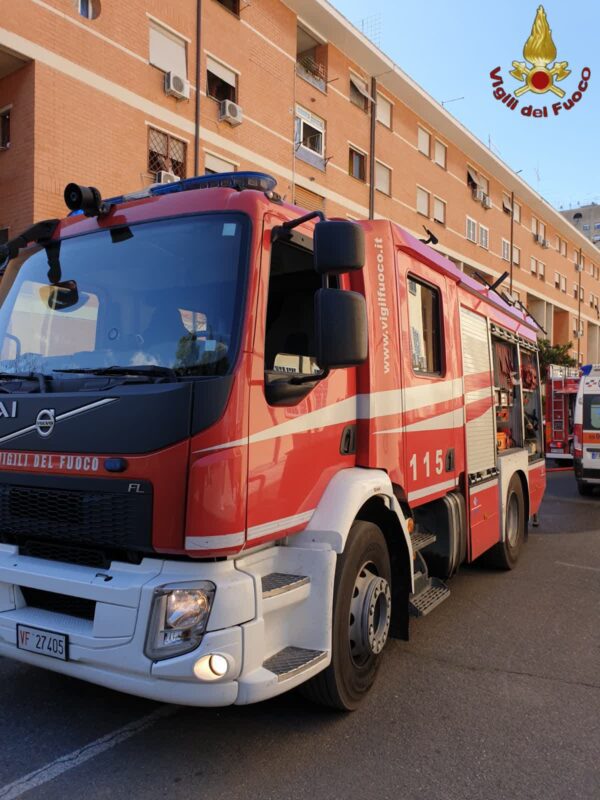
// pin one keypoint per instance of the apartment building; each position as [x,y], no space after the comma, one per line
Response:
[586,219]
[119,95]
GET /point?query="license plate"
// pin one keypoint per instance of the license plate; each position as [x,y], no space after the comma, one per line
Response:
[595,455]
[556,450]
[46,643]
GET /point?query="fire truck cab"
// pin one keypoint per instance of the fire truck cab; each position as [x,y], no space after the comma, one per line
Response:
[241,444]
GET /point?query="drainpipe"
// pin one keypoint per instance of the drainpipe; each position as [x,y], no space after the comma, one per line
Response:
[512,238]
[198,77]
[372,148]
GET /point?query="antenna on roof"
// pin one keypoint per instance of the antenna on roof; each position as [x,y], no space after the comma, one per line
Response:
[371,28]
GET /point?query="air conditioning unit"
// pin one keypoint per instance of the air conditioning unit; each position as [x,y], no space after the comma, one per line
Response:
[478,194]
[538,238]
[166,177]
[177,86]
[578,267]
[486,201]
[545,244]
[230,112]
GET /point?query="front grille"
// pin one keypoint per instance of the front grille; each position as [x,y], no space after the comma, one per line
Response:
[66,553]
[59,603]
[97,513]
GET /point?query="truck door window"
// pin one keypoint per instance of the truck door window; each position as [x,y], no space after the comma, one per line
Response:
[289,338]
[425,327]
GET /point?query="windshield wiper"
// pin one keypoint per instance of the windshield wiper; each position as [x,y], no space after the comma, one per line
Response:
[149,370]
[24,376]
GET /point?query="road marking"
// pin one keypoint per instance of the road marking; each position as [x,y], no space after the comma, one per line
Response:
[562,564]
[63,764]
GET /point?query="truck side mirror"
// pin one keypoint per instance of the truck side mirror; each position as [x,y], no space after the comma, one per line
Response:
[340,328]
[339,246]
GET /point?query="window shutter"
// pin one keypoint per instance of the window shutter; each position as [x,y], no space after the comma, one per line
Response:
[311,201]
[167,51]
[221,71]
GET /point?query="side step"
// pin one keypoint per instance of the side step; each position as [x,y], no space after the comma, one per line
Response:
[433,593]
[278,582]
[292,660]
[421,539]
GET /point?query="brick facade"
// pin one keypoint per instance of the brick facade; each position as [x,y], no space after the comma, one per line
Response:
[83,95]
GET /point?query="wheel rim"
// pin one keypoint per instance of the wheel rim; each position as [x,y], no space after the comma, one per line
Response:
[512,520]
[370,614]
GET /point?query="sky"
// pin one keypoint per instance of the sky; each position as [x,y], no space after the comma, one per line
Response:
[450,48]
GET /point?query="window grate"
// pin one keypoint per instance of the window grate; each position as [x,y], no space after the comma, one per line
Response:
[166,153]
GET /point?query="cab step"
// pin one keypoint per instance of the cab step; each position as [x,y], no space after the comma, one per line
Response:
[276,583]
[292,660]
[421,539]
[433,592]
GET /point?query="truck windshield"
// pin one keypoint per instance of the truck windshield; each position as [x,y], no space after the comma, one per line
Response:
[165,293]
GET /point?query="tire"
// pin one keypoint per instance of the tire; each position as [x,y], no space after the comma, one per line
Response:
[505,554]
[360,623]
[584,489]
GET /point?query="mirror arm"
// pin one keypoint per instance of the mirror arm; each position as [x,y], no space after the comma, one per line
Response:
[38,233]
[317,376]
[281,231]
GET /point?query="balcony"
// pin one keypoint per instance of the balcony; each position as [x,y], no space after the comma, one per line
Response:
[311,59]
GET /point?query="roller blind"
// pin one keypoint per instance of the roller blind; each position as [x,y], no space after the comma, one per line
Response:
[167,51]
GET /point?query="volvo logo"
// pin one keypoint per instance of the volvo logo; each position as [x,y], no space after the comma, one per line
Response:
[44,422]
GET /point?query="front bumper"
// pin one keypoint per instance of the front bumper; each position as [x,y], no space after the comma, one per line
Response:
[245,626]
[109,650]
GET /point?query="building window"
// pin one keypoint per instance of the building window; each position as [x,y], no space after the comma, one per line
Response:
[484,184]
[484,236]
[541,270]
[471,230]
[310,137]
[472,179]
[89,9]
[506,204]
[563,284]
[575,291]
[166,153]
[214,165]
[439,153]
[5,129]
[167,50]
[533,264]
[505,250]
[557,280]
[423,141]
[425,328]
[534,226]
[311,59]
[541,230]
[516,256]
[563,248]
[517,212]
[581,294]
[384,111]
[358,92]
[231,5]
[422,201]
[357,164]
[383,178]
[221,81]
[311,201]
[439,210]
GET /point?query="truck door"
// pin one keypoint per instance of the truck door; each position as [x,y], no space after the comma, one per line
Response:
[432,392]
[298,433]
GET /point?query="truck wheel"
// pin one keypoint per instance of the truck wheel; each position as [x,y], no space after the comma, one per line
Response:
[584,489]
[362,609]
[505,555]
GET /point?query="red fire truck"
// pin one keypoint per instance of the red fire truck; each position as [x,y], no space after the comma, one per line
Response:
[241,444]
[561,390]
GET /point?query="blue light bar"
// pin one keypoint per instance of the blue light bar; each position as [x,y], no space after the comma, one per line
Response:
[225,180]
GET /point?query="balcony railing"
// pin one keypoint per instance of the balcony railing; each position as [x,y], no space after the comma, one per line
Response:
[311,70]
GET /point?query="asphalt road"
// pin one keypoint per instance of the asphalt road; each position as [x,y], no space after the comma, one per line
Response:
[497,695]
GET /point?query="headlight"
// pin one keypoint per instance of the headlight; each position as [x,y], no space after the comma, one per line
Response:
[178,618]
